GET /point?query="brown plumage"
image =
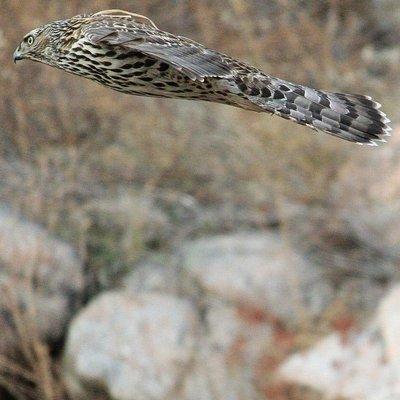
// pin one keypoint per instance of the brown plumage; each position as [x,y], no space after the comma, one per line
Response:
[128,53]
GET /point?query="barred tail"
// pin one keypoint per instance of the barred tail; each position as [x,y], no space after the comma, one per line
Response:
[355,118]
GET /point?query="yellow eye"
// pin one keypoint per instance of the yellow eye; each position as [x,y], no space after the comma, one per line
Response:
[30,40]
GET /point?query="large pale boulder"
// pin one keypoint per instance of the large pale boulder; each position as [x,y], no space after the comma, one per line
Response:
[259,270]
[159,337]
[131,347]
[358,366]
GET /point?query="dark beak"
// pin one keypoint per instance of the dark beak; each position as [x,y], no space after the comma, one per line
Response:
[17,56]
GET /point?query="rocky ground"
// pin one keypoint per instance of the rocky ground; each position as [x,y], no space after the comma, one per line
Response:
[238,315]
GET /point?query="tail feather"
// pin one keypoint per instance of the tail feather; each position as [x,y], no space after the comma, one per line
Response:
[351,117]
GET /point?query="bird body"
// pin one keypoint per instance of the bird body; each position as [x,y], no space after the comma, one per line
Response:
[128,53]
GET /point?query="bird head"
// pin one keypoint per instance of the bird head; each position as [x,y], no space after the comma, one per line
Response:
[46,43]
[36,45]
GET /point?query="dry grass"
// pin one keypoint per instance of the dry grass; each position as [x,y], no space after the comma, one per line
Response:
[30,372]
[59,157]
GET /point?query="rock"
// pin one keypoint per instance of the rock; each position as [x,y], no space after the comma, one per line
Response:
[228,352]
[258,270]
[158,274]
[389,321]
[370,206]
[337,368]
[157,337]
[357,366]
[231,341]
[161,273]
[41,281]
[355,230]
[131,347]
[325,235]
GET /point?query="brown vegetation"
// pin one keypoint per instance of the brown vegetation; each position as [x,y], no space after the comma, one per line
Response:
[66,143]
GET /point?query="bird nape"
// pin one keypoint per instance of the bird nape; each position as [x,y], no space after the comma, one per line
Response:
[128,53]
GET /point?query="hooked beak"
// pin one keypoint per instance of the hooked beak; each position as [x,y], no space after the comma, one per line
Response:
[17,56]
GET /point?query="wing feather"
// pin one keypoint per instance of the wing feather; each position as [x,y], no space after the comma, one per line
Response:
[188,57]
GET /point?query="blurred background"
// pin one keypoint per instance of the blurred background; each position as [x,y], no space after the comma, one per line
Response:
[162,249]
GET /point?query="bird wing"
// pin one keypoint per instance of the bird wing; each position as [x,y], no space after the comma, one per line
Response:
[186,56]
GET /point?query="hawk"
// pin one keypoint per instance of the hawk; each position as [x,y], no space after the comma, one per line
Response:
[128,53]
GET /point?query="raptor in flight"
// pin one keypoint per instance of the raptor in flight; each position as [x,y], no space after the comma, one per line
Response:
[128,53]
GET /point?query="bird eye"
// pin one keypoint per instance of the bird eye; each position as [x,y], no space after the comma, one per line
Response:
[30,40]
